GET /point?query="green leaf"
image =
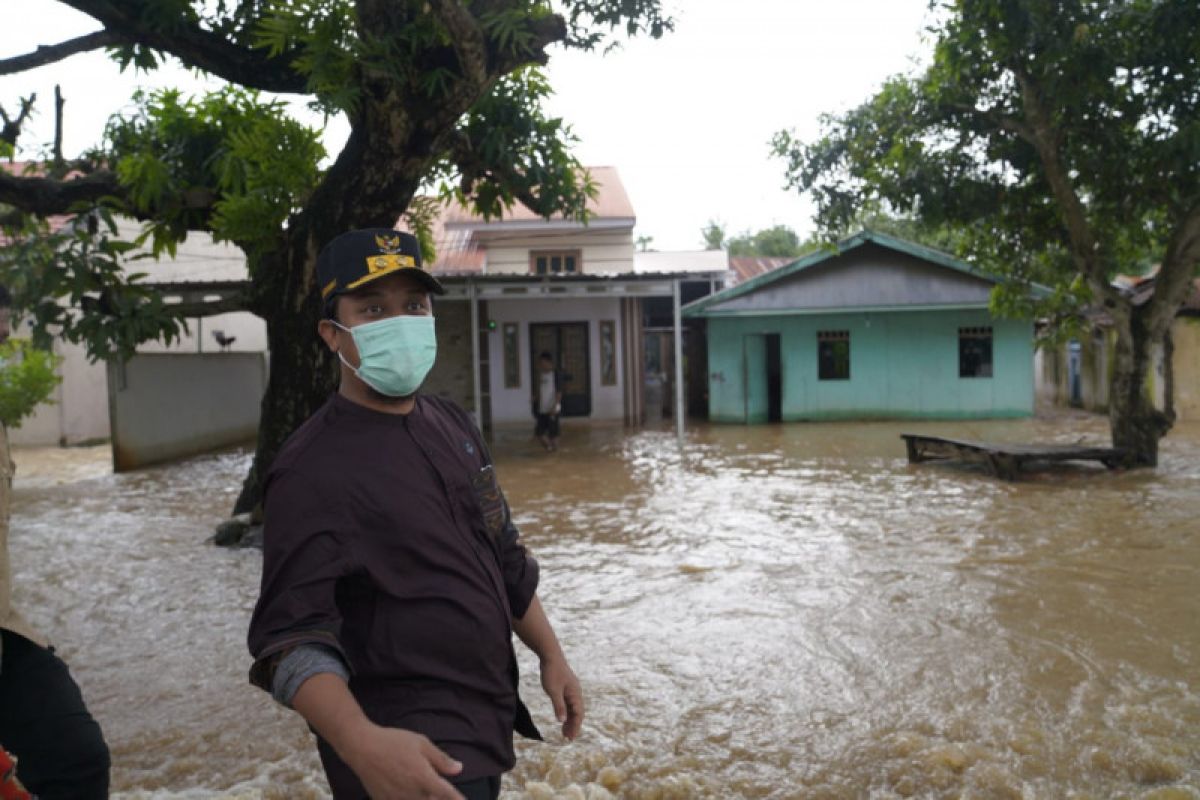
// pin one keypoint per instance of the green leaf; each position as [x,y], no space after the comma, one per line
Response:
[28,377]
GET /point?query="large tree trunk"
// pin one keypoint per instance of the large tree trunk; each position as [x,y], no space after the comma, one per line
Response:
[1135,422]
[301,373]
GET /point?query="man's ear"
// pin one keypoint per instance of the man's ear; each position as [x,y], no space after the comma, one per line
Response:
[328,333]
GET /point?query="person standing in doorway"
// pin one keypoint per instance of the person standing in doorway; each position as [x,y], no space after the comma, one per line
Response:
[393,576]
[44,724]
[547,401]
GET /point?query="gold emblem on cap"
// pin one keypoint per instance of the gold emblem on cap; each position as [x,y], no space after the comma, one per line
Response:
[378,266]
[389,244]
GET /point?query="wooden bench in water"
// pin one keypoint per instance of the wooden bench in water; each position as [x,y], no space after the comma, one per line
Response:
[1004,460]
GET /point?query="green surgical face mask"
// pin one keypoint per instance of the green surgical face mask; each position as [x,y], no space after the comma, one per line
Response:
[394,354]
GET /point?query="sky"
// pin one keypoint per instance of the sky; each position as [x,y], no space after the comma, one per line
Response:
[685,119]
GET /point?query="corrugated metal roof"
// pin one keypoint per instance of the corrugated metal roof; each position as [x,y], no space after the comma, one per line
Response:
[747,267]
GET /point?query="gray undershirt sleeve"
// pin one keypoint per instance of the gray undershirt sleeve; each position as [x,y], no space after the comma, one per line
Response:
[300,664]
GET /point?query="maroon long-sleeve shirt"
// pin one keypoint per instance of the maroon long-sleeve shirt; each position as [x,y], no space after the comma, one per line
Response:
[387,538]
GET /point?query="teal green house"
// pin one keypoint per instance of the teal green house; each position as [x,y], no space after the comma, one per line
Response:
[879,328]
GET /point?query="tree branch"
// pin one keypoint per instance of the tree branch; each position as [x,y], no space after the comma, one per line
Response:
[12,127]
[196,47]
[474,168]
[58,126]
[46,196]
[50,53]
[546,31]
[470,44]
[1000,121]
[1175,273]
[1085,248]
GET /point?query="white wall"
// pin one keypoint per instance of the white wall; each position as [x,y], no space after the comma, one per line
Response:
[78,408]
[603,252]
[512,405]
[167,406]
[249,330]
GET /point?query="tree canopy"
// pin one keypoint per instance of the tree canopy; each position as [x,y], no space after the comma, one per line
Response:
[1060,143]
[442,96]
[776,241]
[713,235]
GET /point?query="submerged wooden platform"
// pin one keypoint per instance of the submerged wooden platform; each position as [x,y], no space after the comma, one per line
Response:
[1003,460]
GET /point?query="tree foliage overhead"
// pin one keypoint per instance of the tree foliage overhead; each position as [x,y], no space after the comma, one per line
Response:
[231,163]
[777,241]
[1060,142]
[441,96]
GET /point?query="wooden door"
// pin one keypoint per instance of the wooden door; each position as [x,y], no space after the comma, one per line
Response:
[567,342]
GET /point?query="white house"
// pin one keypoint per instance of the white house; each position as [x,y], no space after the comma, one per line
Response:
[577,291]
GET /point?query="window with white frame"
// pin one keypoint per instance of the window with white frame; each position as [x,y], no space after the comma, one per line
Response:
[556,262]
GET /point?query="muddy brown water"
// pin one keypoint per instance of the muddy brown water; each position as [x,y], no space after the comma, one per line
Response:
[779,612]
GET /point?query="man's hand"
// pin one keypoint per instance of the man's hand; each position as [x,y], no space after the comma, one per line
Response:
[557,678]
[395,764]
[565,694]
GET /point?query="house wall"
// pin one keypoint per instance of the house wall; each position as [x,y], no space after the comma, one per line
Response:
[168,406]
[603,252]
[249,331]
[902,364]
[1186,335]
[512,405]
[1048,366]
[77,411]
[451,373]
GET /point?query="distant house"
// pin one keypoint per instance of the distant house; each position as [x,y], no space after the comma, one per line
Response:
[223,354]
[879,328]
[1078,372]
[521,285]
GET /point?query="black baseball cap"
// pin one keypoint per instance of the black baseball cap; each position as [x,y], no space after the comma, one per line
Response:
[356,258]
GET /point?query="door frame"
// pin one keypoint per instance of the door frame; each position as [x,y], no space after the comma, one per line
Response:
[771,376]
[578,403]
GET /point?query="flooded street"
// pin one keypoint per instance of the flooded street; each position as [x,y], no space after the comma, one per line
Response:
[782,612]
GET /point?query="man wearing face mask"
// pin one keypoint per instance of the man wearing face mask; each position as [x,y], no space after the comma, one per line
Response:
[393,576]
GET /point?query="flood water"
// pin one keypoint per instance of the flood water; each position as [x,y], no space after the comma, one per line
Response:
[780,612]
